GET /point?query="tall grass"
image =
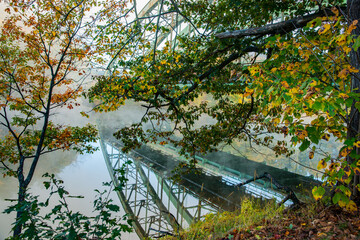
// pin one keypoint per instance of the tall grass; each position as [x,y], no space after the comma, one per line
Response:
[214,226]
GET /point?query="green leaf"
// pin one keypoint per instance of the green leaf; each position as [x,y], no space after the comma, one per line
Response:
[356,44]
[336,197]
[313,134]
[357,105]
[305,144]
[349,142]
[318,192]
[113,207]
[46,184]
[349,102]
[317,106]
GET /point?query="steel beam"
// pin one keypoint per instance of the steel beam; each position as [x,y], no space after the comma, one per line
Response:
[136,225]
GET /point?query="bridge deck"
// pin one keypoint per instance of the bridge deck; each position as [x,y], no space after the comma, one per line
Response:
[251,168]
[232,164]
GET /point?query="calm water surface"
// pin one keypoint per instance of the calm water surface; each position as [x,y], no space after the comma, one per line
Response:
[81,174]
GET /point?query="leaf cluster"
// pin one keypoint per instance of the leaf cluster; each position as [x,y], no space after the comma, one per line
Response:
[63,223]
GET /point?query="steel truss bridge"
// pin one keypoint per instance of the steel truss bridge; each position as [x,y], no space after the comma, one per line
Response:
[157,205]
[168,21]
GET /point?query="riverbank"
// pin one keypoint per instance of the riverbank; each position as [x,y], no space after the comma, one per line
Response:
[312,221]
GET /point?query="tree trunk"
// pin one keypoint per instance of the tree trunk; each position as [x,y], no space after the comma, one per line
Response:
[23,184]
[19,211]
[353,13]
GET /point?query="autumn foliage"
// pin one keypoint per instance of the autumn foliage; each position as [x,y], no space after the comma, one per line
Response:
[46,52]
[307,86]
[291,72]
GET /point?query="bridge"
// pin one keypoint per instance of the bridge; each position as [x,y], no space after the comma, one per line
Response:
[157,205]
[160,206]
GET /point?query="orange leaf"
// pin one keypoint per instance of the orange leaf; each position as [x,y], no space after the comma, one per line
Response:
[352,26]
[285,84]
[343,73]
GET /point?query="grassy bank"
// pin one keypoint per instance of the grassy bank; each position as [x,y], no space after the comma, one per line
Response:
[258,220]
[215,226]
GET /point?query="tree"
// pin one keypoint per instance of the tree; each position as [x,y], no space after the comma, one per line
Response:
[303,64]
[353,14]
[45,50]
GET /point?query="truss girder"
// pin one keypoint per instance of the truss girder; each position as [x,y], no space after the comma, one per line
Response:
[153,213]
[125,204]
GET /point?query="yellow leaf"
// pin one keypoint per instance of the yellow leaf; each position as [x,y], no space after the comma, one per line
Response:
[321,165]
[321,234]
[357,144]
[275,56]
[311,155]
[294,91]
[352,69]
[341,203]
[344,152]
[357,171]
[324,28]
[248,92]
[276,121]
[344,96]
[318,192]
[351,206]
[313,83]
[254,70]
[53,33]
[341,40]
[346,49]
[347,171]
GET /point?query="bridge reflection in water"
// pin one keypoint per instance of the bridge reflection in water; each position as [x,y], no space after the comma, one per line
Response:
[158,206]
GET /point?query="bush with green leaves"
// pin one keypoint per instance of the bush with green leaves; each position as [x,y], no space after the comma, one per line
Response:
[63,223]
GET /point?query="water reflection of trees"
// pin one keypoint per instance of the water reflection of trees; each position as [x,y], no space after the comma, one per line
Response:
[51,163]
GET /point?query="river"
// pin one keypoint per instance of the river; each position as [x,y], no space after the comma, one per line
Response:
[82,174]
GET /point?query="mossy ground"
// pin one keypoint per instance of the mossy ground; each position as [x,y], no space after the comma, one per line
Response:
[266,221]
